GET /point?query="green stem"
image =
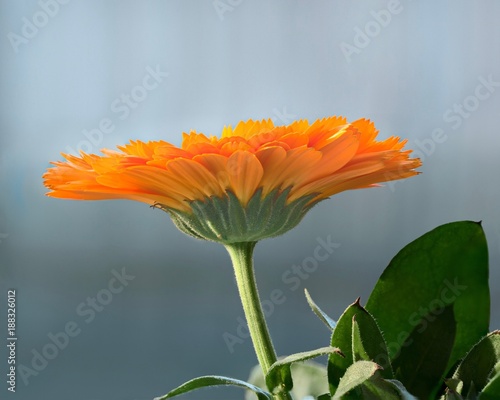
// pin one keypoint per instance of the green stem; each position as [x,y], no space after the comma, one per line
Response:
[242,257]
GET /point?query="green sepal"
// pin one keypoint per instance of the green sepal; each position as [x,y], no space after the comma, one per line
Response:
[225,220]
[422,360]
[279,377]
[369,344]
[207,381]
[329,322]
[476,368]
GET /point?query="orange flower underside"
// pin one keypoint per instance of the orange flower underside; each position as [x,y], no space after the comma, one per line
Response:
[321,159]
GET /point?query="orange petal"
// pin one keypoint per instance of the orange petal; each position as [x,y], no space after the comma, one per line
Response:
[245,173]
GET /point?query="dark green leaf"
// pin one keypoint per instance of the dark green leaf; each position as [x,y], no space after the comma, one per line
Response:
[330,323]
[358,351]
[369,338]
[421,363]
[206,381]
[448,265]
[279,376]
[475,369]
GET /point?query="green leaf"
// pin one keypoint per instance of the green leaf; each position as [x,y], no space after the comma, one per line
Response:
[308,380]
[475,369]
[403,393]
[378,388]
[355,376]
[358,351]
[368,341]
[206,381]
[330,323]
[421,363]
[492,389]
[453,390]
[448,265]
[279,376]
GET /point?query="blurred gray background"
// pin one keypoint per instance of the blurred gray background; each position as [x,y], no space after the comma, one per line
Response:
[92,74]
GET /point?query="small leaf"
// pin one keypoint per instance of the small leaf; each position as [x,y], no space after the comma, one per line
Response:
[453,389]
[308,380]
[378,388]
[369,338]
[330,323]
[478,364]
[279,376]
[421,363]
[206,381]
[448,265]
[492,389]
[451,394]
[358,351]
[355,376]
[404,394]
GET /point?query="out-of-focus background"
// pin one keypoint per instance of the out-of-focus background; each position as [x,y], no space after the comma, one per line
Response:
[84,75]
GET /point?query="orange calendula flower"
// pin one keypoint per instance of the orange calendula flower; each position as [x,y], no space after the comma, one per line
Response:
[255,181]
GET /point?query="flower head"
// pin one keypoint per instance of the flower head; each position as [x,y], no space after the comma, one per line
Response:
[255,181]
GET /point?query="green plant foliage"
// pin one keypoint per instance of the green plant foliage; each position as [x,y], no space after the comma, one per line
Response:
[279,376]
[309,379]
[421,363]
[428,312]
[479,368]
[360,340]
[492,389]
[329,322]
[386,389]
[206,381]
[357,374]
[448,265]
